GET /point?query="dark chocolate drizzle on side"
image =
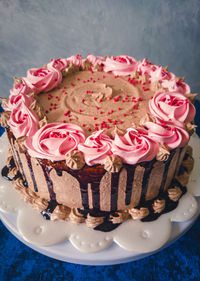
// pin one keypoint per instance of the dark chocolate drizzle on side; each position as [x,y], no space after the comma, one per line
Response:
[22,169]
[48,181]
[4,173]
[51,207]
[148,167]
[167,164]
[129,184]
[114,191]
[28,158]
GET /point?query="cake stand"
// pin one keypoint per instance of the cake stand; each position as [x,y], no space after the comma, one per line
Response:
[79,244]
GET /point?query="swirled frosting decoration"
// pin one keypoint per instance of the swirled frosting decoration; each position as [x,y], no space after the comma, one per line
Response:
[120,65]
[172,106]
[178,86]
[58,64]
[94,60]
[53,141]
[76,60]
[135,146]
[96,148]
[167,133]
[23,121]
[43,79]
[167,79]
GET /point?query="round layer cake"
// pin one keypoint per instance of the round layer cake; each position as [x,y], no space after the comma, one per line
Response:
[99,140]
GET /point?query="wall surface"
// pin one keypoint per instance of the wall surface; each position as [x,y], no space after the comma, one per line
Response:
[33,32]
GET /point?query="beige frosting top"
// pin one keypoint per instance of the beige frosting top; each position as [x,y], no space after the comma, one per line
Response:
[96,100]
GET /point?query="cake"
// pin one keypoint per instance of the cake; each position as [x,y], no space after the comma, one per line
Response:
[99,140]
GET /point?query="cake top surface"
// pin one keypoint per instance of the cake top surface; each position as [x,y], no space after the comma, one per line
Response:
[109,109]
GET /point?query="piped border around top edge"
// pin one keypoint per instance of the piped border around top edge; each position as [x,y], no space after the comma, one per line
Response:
[24,96]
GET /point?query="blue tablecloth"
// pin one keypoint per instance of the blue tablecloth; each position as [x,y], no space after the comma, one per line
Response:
[180,261]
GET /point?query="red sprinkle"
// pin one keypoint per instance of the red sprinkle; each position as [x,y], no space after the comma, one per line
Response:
[95,118]
[101,112]
[83,81]
[46,111]
[83,100]
[124,114]
[97,107]
[65,93]
[119,108]
[80,110]
[89,129]
[64,87]
[72,84]
[83,125]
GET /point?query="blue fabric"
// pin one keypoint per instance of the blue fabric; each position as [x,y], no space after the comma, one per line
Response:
[180,261]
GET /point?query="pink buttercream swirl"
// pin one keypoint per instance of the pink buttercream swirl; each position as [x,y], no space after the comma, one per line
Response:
[121,65]
[23,121]
[53,141]
[43,79]
[156,73]
[59,64]
[135,146]
[77,60]
[94,60]
[178,86]
[96,148]
[173,107]
[166,133]
[19,94]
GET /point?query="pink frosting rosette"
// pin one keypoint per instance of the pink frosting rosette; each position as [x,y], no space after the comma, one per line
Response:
[17,95]
[53,141]
[43,79]
[167,133]
[178,86]
[20,88]
[135,146]
[96,148]
[59,64]
[94,60]
[23,121]
[77,60]
[121,65]
[14,101]
[156,73]
[173,107]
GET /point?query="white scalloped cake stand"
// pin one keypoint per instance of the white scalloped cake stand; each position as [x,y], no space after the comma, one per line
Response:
[79,244]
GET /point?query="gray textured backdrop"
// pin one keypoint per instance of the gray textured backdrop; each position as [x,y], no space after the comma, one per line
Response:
[32,32]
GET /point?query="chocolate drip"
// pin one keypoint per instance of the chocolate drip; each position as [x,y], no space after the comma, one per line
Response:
[22,169]
[48,181]
[84,195]
[167,164]
[51,207]
[145,181]
[114,191]
[107,226]
[28,158]
[129,184]
[95,195]
[4,173]
[58,172]
[84,176]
